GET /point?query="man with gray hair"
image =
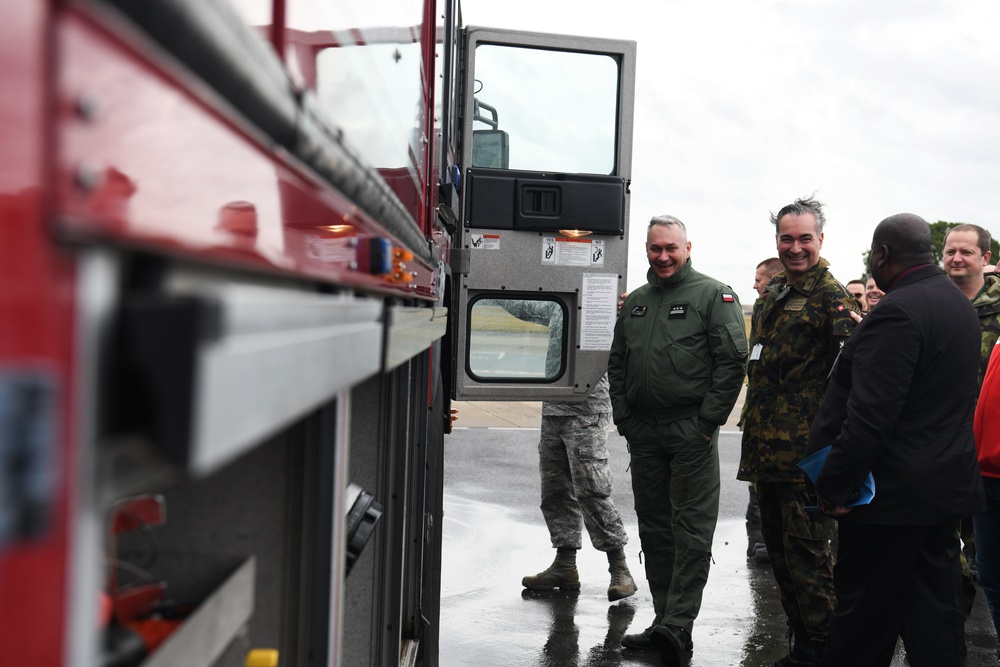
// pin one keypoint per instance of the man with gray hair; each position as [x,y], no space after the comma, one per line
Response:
[796,336]
[677,361]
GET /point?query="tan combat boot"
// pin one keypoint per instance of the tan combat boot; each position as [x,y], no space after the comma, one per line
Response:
[622,584]
[561,574]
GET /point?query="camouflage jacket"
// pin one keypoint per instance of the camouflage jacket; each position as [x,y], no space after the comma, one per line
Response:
[987,305]
[796,335]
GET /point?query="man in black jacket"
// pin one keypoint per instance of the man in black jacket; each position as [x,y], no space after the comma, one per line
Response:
[900,404]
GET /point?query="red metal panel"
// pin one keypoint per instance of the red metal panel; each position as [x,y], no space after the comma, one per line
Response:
[155,165]
[36,305]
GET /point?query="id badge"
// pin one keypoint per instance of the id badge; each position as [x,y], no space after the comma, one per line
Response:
[755,352]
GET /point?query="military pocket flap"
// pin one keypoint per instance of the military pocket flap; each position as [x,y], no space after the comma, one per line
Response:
[686,364]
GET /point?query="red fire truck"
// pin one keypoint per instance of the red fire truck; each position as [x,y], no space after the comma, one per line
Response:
[250,252]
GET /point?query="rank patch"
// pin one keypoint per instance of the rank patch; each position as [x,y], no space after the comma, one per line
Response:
[795,304]
[678,311]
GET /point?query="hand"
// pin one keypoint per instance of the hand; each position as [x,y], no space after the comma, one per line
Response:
[857,316]
[830,509]
[621,298]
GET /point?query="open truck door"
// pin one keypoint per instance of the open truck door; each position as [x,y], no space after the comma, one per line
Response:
[540,257]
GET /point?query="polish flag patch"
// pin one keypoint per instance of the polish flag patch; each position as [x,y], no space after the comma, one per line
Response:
[727,298]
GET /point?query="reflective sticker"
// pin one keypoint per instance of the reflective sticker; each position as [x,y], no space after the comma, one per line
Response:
[27,452]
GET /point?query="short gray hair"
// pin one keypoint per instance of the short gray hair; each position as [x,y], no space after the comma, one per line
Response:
[667,221]
[801,207]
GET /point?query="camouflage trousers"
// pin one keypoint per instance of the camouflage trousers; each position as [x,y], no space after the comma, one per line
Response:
[576,482]
[798,543]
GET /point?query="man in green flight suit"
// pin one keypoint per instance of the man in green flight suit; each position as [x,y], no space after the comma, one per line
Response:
[677,362]
[796,335]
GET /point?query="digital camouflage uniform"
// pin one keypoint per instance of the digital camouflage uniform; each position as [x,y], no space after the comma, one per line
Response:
[576,474]
[572,453]
[676,367]
[796,336]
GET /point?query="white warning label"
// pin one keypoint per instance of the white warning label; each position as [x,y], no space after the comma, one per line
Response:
[559,251]
[486,241]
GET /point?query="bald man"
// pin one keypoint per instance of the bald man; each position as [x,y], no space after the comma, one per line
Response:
[884,412]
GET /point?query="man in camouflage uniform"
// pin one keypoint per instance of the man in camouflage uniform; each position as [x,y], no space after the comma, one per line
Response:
[575,472]
[796,336]
[756,549]
[966,253]
[677,362]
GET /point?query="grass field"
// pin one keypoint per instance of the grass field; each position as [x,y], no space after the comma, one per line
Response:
[495,318]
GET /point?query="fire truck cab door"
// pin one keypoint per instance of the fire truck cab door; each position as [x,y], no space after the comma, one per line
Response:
[540,256]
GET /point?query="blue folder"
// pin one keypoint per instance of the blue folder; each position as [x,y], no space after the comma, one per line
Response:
[812,465]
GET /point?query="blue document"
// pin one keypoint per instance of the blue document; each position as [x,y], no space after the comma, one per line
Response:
[812,465]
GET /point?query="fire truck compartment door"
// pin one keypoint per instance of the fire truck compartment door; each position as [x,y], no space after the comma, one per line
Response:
[540,258]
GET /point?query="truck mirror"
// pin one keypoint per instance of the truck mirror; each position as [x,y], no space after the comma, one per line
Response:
[491,149]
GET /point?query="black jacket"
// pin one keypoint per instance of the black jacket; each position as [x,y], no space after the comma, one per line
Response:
[900,403]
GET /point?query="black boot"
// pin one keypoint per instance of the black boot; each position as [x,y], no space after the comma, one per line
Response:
[639,640]
[799,651]
[561,574]
[674,644]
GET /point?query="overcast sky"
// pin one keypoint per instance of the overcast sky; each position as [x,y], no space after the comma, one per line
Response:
[879,107]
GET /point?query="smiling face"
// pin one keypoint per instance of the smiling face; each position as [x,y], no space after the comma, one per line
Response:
[872,293]
[799,242]
[667,249]
[857,290]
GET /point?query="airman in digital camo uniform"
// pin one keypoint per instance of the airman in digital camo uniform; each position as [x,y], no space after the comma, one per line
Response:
[575,472]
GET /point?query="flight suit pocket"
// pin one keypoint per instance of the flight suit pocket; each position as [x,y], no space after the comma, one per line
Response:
[687,365]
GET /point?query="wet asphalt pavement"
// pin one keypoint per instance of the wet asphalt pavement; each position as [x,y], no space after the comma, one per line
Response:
[494,535]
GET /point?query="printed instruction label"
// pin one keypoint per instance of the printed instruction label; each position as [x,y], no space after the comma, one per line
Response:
[486,241]
[559,251]
[598,301]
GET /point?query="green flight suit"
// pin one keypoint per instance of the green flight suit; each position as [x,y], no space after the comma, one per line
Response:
[677,363]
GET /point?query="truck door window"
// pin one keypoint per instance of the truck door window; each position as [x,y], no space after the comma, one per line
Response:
[516,339]
[553,110]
